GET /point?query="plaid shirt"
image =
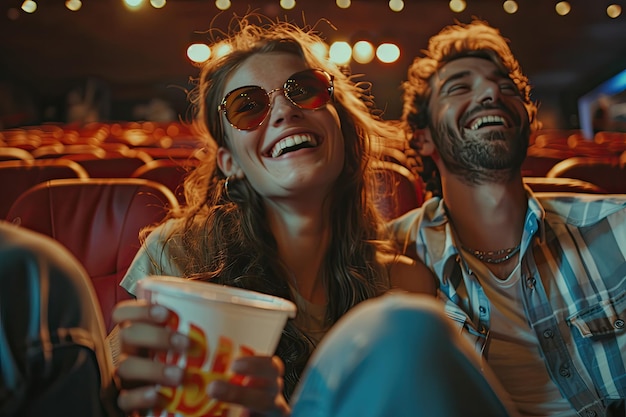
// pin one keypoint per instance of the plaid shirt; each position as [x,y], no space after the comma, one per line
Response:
[573,287]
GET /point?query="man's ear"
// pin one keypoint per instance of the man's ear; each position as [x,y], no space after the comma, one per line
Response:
[425,143]
[227,163]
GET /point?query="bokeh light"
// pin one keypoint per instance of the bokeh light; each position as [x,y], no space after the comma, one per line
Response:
[363,52]
[388,52]
[198,52]
[562,8]
[340,52]
[510,6]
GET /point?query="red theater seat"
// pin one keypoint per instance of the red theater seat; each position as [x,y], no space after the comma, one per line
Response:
[18,176]
[569,185]
[99,221]
[9,153]
[119,163]
[168,172]
[607,173]
[398,190]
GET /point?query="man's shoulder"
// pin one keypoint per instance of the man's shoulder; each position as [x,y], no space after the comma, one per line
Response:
[429,212]
[581,209]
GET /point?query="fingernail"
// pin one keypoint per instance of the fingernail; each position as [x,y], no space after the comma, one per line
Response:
[173,373]
[150,394]
[179,341]
[159,313]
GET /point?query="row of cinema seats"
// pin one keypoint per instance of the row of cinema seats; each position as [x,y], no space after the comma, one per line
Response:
[84,193]
[98,214]
[556,157]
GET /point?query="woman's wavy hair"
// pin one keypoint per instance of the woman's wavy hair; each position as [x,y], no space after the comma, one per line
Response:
[223,226]
[476,39]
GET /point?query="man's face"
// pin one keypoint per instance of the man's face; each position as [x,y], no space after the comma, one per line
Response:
[478,121]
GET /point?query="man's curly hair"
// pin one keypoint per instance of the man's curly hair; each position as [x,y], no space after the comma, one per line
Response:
[476,39]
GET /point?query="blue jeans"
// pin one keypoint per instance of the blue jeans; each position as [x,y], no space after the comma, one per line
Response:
[397,355]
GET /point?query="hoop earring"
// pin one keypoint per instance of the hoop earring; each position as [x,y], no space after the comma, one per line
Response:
[226,187]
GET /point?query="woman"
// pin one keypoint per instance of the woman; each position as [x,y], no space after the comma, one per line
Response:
[282,205]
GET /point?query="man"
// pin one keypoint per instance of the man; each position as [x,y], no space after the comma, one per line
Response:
[53,358]
[537,283]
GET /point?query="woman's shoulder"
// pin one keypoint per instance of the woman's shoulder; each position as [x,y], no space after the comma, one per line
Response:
[408,274]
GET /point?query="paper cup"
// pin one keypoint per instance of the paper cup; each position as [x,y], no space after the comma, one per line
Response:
[223,323]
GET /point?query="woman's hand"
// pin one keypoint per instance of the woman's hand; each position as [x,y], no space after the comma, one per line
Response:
[143,333]
[257,383]
[258,386]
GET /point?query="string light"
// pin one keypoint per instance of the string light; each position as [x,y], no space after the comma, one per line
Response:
[29,6]
[363,52]
[287,4]
[73,5]
[198,52]
[510,6]
[343,4]
[133,4]
[614,10]
[340,52]
[222,4]
[457,6]
[388,52]
[562,8]
[396,5]
[157,4]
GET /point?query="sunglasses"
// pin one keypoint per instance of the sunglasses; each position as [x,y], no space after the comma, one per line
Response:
[246,108]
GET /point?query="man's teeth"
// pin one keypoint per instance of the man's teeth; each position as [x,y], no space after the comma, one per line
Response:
[290,142]
[489,120]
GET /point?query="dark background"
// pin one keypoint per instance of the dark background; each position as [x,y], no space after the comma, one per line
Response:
[134,57]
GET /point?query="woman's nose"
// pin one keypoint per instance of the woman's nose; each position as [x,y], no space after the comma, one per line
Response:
[283,109]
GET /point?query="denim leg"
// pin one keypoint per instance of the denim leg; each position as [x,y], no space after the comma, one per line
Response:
[397,355]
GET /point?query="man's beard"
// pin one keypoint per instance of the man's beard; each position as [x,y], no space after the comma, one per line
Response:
[481,158]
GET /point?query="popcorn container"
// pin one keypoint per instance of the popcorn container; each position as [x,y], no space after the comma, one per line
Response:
[223,323]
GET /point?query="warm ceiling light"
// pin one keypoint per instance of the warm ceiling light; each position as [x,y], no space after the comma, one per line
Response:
[73,5]
[388,52]
[340,52]
[222,50]
[198,52]
[287,4]
[343,4]
[363,52]
[457,6]
[396,5]
[222,4]
[614,10]
[562,8]
[158,4]
[320,50]
[133,4]
[29,6]
[510,6]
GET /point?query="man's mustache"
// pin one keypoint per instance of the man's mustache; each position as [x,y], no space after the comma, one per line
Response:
[470,114]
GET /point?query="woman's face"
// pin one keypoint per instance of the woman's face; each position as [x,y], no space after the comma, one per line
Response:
[294,151]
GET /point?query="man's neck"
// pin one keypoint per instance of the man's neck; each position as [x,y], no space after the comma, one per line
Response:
[487,217]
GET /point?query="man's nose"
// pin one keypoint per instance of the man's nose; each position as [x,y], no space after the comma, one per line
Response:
[489,92]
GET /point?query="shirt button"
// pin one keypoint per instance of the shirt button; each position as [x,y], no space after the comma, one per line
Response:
[619,324]
[548,334]
[564,371]
[591,413]
[483,309]
[530,282]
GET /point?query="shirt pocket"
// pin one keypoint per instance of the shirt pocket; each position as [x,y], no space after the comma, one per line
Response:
[603,319]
